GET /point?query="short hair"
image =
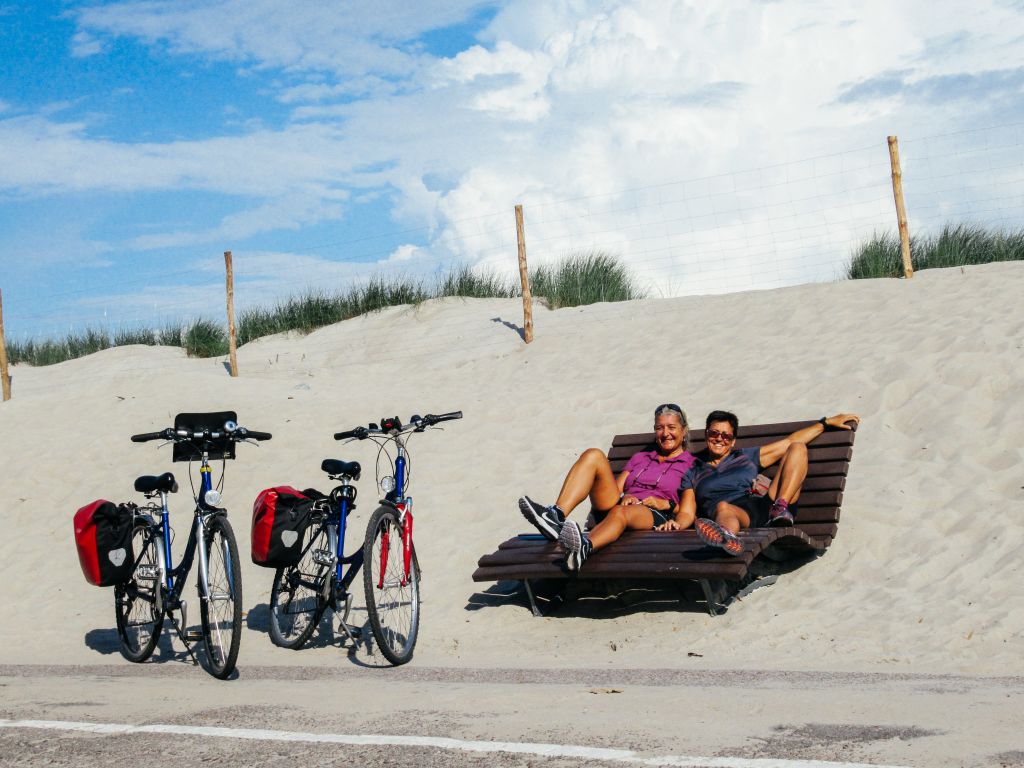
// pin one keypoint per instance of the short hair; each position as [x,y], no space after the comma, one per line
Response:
[724,416]
[675,410]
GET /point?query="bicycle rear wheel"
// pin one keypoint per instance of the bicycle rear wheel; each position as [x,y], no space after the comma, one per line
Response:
[139,622]
[298,599]
[220,608]
[392,601]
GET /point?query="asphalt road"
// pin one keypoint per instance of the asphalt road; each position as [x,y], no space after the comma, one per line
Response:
[452,717]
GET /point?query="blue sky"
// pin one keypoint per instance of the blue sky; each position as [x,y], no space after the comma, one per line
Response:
[711,146]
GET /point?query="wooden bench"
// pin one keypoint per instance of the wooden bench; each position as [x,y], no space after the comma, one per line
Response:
[680,555]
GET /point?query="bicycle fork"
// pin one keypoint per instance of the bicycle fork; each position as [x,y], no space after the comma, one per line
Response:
[404,510]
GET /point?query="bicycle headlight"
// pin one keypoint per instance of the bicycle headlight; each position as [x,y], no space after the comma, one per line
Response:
[387,483]
[212,498]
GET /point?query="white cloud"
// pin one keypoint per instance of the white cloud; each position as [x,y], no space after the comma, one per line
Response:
[627,126]
[316,35]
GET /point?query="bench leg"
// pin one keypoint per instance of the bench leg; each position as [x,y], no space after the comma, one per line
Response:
[714,594]
[533,601]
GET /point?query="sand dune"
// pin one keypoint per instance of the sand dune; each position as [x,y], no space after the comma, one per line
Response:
[924,575]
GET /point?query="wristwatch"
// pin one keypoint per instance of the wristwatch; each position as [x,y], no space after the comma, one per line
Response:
[823,421]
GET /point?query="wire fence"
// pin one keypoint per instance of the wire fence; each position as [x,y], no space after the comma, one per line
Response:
[767,227]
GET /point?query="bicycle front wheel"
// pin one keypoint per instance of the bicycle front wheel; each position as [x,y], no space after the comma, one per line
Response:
[392,598]
[298,597]
[220,600]
[139,621]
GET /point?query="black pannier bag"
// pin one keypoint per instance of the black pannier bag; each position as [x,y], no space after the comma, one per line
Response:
[103,535]
[280,517]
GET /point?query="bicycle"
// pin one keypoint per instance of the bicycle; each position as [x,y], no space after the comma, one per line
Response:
[321,579]
[153,593]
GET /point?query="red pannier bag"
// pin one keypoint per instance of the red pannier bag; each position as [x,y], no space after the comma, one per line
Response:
[280,517]
[103,535]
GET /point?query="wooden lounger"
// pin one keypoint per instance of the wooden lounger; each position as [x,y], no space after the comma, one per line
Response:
[680,555]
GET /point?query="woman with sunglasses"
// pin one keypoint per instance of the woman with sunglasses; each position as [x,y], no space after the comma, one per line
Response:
[642,497]
[719,495]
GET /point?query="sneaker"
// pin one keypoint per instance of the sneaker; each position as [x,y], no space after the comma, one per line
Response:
[714,535]
[576,544]
[545,519]
[779,514]
[710,532]
[732,544]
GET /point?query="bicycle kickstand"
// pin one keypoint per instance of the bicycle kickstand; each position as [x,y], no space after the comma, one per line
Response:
[354,633]
[181,633]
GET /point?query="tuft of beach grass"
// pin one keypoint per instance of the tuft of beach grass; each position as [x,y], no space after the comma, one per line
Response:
[957,245]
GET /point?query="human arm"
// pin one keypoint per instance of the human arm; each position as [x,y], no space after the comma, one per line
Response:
[686,513]
[772,452]
[620,481]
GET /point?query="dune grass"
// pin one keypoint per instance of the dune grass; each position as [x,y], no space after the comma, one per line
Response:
[580,278]
[203,338]
[955,246]
[584,278]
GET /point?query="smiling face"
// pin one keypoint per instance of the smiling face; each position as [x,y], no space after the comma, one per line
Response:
[720,437]
[669,433]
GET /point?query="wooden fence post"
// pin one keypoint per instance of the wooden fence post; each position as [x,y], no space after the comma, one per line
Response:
[4,376]
[232,342]
[901,210]
[524,278]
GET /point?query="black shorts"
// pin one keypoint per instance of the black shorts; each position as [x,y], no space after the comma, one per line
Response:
[660,518]
[757,508]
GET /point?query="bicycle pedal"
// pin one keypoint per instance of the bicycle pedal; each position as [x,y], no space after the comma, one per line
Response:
[324,557]
[355,633]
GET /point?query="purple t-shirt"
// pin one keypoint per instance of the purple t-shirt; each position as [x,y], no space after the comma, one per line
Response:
[661,479]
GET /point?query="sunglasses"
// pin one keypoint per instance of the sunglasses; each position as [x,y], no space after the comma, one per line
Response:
[714,434]
[670,406]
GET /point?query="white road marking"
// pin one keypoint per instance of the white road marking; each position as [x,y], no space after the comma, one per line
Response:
[436,742]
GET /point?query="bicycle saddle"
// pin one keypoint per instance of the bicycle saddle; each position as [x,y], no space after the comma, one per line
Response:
[342,468]
[154,483]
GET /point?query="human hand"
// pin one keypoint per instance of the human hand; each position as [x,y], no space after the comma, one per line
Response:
[653,502]
[839,420]
[629,500]
[671,525]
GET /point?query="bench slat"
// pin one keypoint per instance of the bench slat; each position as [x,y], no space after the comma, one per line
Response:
[754,435]
[816,454]
[681,570]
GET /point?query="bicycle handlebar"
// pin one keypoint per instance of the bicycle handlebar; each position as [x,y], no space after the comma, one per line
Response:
[179,435]
[416,424]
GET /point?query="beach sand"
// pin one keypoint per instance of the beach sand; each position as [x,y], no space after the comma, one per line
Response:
[924,575]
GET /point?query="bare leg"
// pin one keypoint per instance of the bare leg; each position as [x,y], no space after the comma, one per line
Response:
[591,476]
[636,517]
[791,475]
[733,519]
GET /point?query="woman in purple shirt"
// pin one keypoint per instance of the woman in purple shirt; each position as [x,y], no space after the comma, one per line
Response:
[642,497]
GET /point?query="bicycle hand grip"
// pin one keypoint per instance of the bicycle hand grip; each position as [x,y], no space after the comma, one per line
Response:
[146,437]
[254,435]
[444,416]
[360,432]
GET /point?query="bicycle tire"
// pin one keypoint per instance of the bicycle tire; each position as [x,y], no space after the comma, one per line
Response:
[394,609]
[221,613]
[297,599]
[139,623]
